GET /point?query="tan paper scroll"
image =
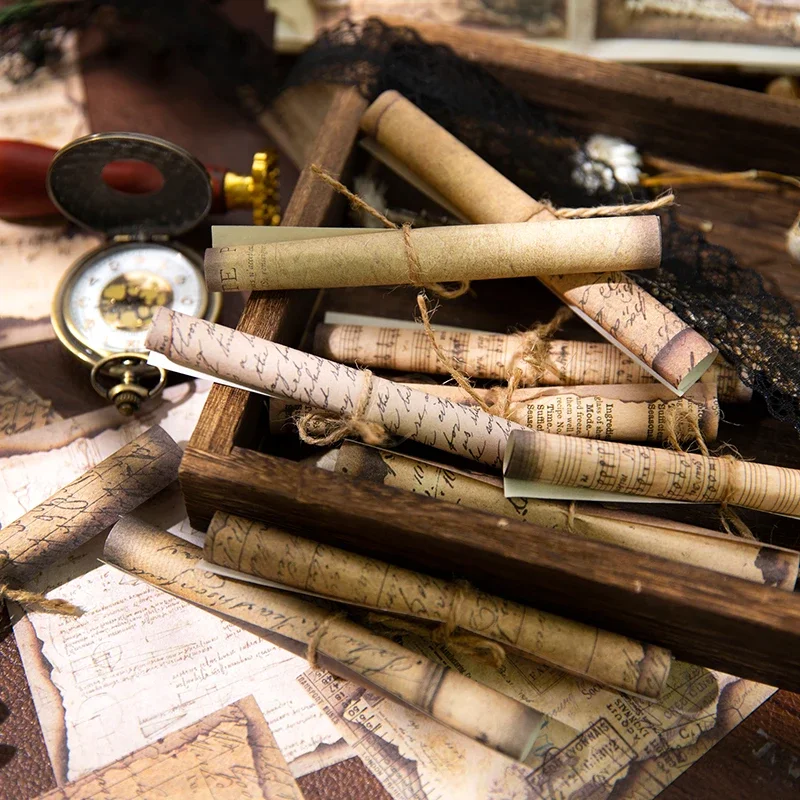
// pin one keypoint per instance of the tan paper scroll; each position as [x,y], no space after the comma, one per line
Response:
[350,650]
[308,566]
[688,544]
[433,255]
[228,755]
[647,471]
[621,412]
[610,302]
[88,505]
[618,412]
[273,369]
[495,355]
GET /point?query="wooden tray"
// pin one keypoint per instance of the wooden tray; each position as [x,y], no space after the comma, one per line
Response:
[233,464]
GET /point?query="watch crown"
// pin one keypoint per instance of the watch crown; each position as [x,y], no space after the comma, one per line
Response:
[258,191]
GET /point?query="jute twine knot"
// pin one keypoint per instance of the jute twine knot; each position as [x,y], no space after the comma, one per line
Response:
[316,638]
[681,424]
[662,201]
[445,633]
[416,274]
[323,428]
[35,599]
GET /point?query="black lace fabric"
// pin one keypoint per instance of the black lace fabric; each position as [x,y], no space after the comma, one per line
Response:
[755,330]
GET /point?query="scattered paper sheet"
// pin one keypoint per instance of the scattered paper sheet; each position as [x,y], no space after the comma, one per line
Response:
[46,109]
[626,745]
[228,754]
[138,664]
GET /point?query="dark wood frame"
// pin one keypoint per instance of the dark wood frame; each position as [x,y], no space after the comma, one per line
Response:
[706,618]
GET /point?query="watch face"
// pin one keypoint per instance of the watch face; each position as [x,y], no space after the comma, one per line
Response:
[109,303]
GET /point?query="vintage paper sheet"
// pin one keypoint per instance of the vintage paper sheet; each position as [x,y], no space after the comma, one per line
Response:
[48,109]
[625,745]
[138,664]
[21,409]
[229,754]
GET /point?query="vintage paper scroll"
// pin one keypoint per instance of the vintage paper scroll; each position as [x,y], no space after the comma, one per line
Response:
[454,700]
[318,569]
[89,504]
[433,255]
[257,364]
[619,412]
[495,356]
[647,471]
[610,302]
[228,755]
[744,558]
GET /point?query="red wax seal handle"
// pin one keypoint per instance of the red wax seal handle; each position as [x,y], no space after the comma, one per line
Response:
[23,180]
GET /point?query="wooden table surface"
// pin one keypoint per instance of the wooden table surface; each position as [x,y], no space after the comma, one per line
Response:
[760,758]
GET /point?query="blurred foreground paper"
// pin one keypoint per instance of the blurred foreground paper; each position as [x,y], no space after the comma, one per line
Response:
[138,664]
[228,754]
[47,109]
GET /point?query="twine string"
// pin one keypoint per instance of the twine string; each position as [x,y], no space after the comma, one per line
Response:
[316,638]
[35,599]
[629,209]
[323,428]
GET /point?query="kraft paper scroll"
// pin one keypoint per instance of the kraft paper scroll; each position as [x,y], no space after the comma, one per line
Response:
[611,302]
[439,255]
[495,355]
[608,658]
[743,558]
[88,505]
[273,369]
[170,564]
[647,471]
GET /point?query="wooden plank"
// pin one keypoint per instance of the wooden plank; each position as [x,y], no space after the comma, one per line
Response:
[667,114]
[704,617]
[267,314]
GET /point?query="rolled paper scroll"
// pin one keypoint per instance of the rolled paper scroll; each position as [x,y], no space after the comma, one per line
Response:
[625,413]
[608,658]
[647,471]
[495,355]
[88,505]
[610,302]
[273,369]
[688,544]
[434,255]
[351,651]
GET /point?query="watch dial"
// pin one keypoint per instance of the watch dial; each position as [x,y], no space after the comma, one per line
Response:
[111,302]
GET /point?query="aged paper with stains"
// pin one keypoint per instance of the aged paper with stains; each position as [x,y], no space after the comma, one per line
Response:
[229,754]
[47,109]
[625,748]
[21,409]
[251,548]
[533,458]
[138,664]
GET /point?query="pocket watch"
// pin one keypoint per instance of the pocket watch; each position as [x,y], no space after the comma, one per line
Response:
[105,303]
